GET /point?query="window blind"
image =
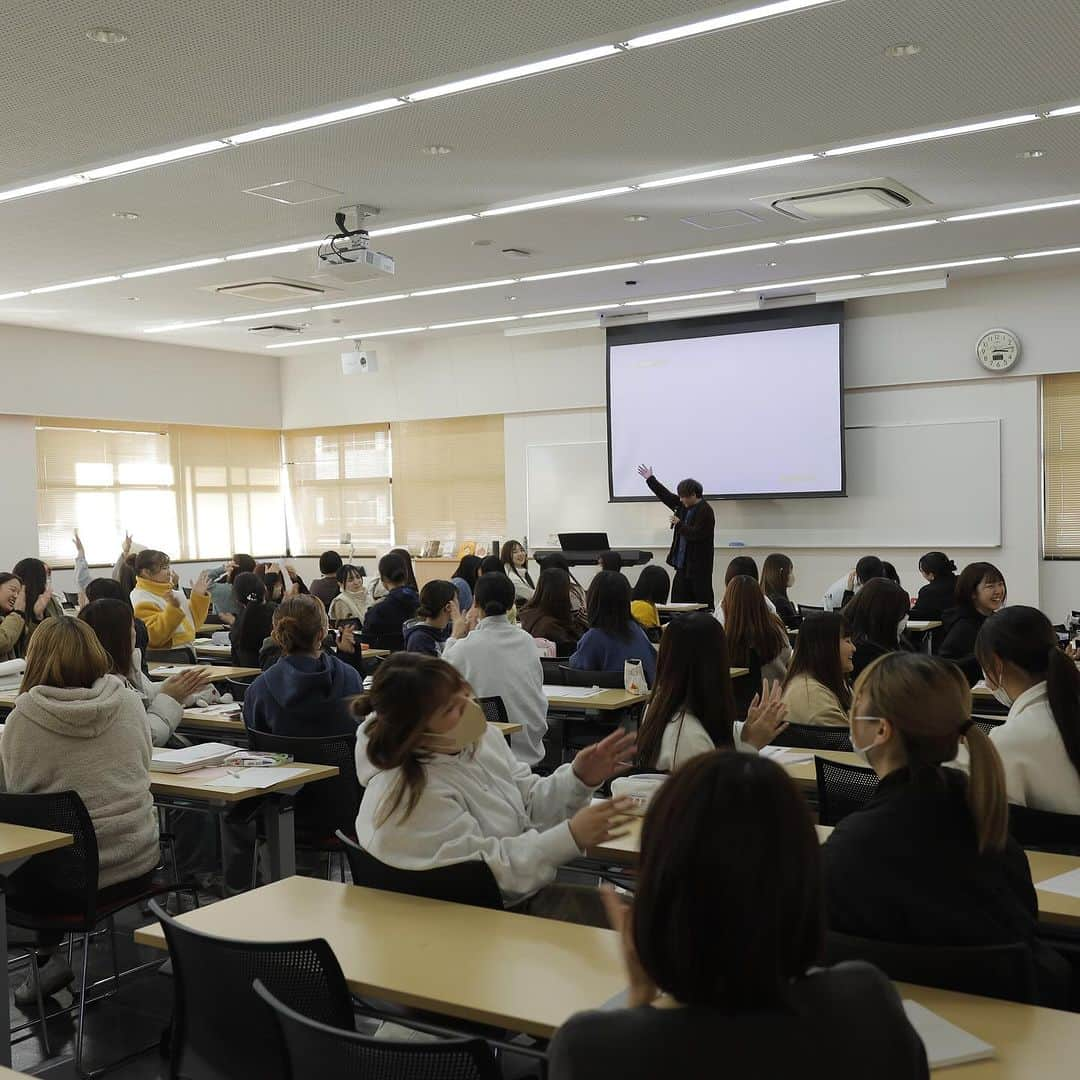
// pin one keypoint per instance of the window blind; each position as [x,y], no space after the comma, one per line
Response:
[1061,465]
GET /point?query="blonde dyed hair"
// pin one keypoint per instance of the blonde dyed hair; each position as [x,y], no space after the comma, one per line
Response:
[928,702]
[65,653]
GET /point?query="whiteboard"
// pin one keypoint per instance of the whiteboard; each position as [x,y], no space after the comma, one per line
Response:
[911,485]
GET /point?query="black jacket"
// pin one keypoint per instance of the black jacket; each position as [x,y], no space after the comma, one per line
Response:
[958,643]
[698,534]
[934,599]
[384,621]
[866,652]
[789,616]
[419,637]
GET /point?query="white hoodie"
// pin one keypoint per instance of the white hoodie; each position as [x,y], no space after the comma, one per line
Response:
[475,805]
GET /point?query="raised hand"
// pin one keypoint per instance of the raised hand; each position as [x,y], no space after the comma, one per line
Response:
[765,716]
[202,585]
[42,603]
[181,686]
[126,548]
[606,758]
[79,549]
[645,472]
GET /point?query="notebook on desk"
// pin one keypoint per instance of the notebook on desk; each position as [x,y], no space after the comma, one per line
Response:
[190,757]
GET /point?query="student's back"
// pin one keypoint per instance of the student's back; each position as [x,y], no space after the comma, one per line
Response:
[613,636]
[384,621]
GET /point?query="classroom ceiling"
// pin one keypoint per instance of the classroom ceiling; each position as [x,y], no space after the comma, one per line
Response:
[800,83]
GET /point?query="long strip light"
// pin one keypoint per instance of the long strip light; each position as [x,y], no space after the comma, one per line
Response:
[75,284]
[581,271]
[570,311]
[363,300]
[280,249]
[730,170]
[464,288]
[15,294]
[151,161]
[934,133]
[1044,254]
[938,266]
[723,22]
[172,268]
[871,231]
[471,322]
[688,255]
[265,314]
[799,284]
[305,123]
[41,187]
[415,226]
[1035,208]
[561,200]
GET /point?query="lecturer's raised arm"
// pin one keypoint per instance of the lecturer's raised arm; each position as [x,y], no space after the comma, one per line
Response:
[668,498]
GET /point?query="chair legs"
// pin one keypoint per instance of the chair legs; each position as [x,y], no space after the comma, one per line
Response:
[82,1007]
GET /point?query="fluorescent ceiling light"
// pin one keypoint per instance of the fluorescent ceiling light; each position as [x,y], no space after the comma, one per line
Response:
[901,226]
[937,266]
[464,288]
[540,204]
[117,168]
[390,333]
[13,295]
[982,214]
[281,249]
[416,226]
[182,326]
[570,311]
[365,300]
[1068,110]
[578,273]
[468,322]
[266,314]
[521,71]
[686,256]
[169,269]
[687,296]
[44,185]
[77,284]
[1026,255]
[724,22]
[319,120]
[732,170]
[936,133]
[295,344]
[798,284]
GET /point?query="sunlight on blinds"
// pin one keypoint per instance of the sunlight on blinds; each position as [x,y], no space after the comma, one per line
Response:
[1061,464]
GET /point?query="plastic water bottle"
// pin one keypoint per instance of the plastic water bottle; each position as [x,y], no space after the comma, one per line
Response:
[633,677]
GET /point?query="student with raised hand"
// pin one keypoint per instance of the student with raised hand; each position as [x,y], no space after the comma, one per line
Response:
[613,636]
[77,728]
[840,593]
[548,613]
[222,597]
[651,589]
[464,579]
[980,591]
[714,971]
[442,787]
[816,690]
[352,602]
[515,560]
[692,710]
[929,860]
[427,633]
[12,615]
[499,659]
[1039,743]
[327,587]
[384,620]
[753,632]
[777,576]
[938,595]
[306,693]
[40,604]
[171,618]
[114,624]
[876,618]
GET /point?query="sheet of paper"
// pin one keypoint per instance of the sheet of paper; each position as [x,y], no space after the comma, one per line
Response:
[946,1044]
[260,777]
[228,708]
[575,692]
[782,755]
[1067,884]
[169,669]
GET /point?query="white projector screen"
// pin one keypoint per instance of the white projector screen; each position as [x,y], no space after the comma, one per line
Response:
[752,406]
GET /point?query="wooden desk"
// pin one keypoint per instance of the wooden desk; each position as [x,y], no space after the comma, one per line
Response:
[440,568]
[680,609]
[17,844]
[206,650]
[805,775]
[216,673]
[605,701]
[920,626]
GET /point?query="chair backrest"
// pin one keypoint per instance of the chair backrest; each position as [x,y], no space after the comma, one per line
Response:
[985,724]
[182,654]
[236,687]
[998,971]
[60,881]
[316,1050]
[469,882]
[1045,831]
[814,737]
[607,680]
[842,789]
[323,808]
[746,686]
[553,671]
[494,709]
[220,1028]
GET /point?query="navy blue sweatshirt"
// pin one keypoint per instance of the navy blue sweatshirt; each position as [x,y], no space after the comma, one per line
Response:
[384,621]
[303,696]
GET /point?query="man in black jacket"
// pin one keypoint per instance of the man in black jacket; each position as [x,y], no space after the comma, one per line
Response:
[691,551]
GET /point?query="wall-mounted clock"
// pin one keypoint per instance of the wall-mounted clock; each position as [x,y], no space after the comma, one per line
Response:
[998,350]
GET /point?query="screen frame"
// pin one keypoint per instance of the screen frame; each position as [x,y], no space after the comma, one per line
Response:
[743,322]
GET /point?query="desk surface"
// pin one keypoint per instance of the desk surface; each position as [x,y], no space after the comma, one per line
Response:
[605,701]
[921,625]
[675,609]
[21,841]
[197,784]
[216,672]
[197,720]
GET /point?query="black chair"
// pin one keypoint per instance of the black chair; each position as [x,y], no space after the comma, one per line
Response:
[182,654]
[57,891]
[606,680]
[1045,831]
[814,737]
[316,1050]
[470,882]
[553,671]
[236,687]
[494,710]
[745,687]
[986,724]
[220,1028]
[842,789]
[1006,972]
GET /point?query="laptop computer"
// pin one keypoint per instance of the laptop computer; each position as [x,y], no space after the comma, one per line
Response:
[584,541]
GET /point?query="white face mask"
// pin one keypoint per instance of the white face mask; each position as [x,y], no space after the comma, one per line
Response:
[862,752]
[901,626]
[1002,695]
[466,732]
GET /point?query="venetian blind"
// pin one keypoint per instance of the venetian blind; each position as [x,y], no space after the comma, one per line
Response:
[1061,464]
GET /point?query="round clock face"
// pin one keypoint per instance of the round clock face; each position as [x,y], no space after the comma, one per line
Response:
[998,350]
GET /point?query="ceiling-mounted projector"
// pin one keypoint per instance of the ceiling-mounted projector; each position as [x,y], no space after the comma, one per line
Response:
[346,254]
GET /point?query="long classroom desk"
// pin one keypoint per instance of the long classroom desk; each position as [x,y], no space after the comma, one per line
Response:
[216,672]
[530,974]
[222,654]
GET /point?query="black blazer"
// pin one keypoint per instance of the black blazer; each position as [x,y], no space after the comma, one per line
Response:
[866,652]
[786,610]
[934,599]
[958,644]
[698,534]
[384,621]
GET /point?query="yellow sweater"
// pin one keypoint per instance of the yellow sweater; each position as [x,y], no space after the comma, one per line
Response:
[645,613]
[168,626]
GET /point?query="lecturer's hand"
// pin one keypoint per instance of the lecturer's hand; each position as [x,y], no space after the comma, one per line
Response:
[645,472]
[675,520]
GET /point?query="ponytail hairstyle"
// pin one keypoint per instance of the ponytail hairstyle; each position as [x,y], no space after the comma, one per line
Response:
[434,596]
[1024,636]
[939,564]
[494,594]
[406,690]
[299,624]
[248,588]
[928,702]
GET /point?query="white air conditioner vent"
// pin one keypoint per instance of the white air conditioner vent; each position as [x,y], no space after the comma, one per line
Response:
[273,290]
[845,202]
[278,328]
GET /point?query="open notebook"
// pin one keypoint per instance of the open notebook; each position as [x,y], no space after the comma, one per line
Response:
[190,757]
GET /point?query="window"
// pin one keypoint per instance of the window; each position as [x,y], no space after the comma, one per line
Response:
[1061,465]
[449,481]
[339,489]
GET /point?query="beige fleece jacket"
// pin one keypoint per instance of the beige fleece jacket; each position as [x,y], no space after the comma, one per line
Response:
[95,742]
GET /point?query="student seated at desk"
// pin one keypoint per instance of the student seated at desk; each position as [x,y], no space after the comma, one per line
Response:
[222,597]
[306,692]
[777,576]
[111,589]
[114,624]
[578,601]
[1039,743]
[379,591]
[442,787]
[464,579]
[816,689]
[692,710]
[515,561]
[327,587]
[384,620]
[12,615]
[611,561]
[929,860]
[938,594]
[980,591]
[501,660]
[353,601]
[653,587]
[427,633]
[40,604]
[741,566]
[721,984]
[876,618]
[77,728]
[754,632]
[841,592]
[252,626]
[548,614]
[613,636]
[171,618]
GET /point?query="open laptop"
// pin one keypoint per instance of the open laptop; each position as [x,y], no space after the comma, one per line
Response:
[584,541]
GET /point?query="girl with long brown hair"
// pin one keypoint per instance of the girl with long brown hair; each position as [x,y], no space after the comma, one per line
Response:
[816,689]
[753,632]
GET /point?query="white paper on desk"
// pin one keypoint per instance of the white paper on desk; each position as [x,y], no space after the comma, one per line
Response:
[946,1044]
[228,708]
[1067,884]
[782,755]
[221,637]
[259,777]
[170,669]
[572,691]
